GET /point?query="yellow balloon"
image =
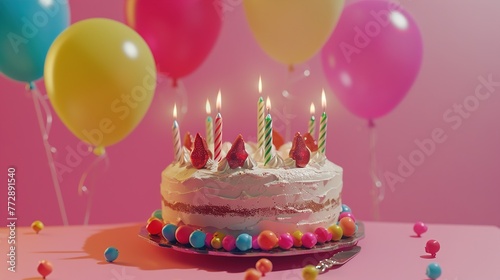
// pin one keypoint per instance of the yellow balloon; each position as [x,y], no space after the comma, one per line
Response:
[100,77]
[292,31]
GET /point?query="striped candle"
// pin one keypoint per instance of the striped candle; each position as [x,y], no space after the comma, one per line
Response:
[322,126]
[260,123]
[268,134]
[177,137]
[209,126]
[312,121]
[218,131]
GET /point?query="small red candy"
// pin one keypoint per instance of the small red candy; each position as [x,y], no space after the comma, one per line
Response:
[322,235]
[188,141]
[200,153]
[432,247]
[182,234]
[237,155]
[310,142]
[299,151]
[154,227]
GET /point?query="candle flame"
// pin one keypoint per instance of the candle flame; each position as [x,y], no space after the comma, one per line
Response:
[208,108]
[175,111]
[260,84]
[312,109]
[323,100]
[268,104]
[219,102]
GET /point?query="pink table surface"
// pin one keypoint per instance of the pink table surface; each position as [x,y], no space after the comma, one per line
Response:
[389,251]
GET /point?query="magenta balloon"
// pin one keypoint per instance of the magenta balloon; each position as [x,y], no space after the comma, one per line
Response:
[373,57]
[180,34]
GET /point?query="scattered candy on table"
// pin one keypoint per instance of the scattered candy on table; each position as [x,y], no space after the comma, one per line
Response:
[310,272]
[433,271]
[168,232]
[309,240]
[285,241]
[348,226]
[244,242]
[154,227]
[44,268]
[37,226]
[110,254]
[267,240]
[264,266]
[432,247]
[197,239]
[252,274]
[157,214]
[419,228]
[336,232]
[182,234]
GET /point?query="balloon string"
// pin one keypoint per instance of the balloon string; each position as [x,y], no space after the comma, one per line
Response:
[83,187]
[40,103]
[378,189]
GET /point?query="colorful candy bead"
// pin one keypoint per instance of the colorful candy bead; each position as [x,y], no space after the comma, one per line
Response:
[419,228]
[229,243]
[297,238]
[285,241]
[433,271]
[152,218]
[252,274]
[267,240]
[244,242]
[182,234]
[168,232]
[264,266]
[110,254]
[197,239]
[37,226]
[345,208]
[432,247]
[44,268]
[336,232]
[208,239]
[309,239]
[157,214]
[255,243]
[347,214]
[216,242]
[322,235]
[310,272]
[348,226]
[154,227]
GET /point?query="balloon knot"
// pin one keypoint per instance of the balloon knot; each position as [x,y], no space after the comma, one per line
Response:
[371,124]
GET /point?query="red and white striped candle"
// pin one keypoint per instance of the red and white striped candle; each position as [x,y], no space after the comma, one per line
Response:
[218,130]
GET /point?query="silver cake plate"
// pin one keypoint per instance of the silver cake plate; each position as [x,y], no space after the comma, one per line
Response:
[319,248]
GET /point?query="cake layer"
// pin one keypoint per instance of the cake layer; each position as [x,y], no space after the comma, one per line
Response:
[252,199]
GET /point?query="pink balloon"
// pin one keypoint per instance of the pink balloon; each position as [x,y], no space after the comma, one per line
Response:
[373,57]
[180,34]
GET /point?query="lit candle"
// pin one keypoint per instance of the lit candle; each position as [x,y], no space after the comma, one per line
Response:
[177,136]
[209,126]
[268,134]
[218,130]
[312,124]
[322,126]
[260,118]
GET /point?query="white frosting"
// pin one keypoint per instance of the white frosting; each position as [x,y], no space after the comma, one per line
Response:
[281,198]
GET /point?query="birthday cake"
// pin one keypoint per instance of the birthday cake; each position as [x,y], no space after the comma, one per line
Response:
[295,191]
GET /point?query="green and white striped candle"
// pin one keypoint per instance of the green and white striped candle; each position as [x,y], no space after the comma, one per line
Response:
[323,126]
[260,122]
[268,134]
[312,121]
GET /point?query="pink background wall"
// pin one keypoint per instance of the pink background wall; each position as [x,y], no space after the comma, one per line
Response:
[458,183]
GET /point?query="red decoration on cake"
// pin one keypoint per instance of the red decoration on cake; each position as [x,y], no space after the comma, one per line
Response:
[299,151]
[188,141]
[310,142]
[200,153]
[237,154]
[278,140]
